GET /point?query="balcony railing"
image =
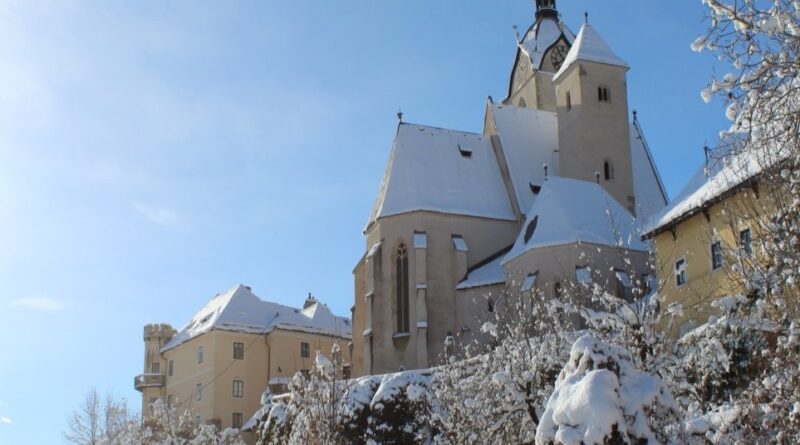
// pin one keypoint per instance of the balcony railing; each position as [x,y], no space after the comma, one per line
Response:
[142,381]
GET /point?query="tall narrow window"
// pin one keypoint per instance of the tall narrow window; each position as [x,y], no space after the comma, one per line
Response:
[569,101]
[155,368]
[680,272]
[199,354]
[305,350]
[238,351]
[608,170]
[198,391]
[603,94]
[401,277]
[746,241]
[716,255]
[170,367]
[238,389]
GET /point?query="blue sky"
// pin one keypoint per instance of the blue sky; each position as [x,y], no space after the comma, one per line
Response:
[155,153]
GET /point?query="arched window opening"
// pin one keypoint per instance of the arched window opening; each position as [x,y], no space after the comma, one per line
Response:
[522,103]
[401,297]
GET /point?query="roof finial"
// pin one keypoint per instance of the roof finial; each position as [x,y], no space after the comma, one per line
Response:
[400,116]
[516,33]
[635,114]
[586,16]
[546,8]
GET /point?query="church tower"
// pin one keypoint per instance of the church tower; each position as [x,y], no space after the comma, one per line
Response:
[592,105]
[540,53]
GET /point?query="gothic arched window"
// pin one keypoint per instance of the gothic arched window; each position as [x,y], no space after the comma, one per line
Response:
[401,287]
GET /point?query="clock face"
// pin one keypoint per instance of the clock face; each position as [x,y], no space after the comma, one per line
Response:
[557,56]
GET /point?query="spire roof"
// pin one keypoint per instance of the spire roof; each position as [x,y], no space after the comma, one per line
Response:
[589,46]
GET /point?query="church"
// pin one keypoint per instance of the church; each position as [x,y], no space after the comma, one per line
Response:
[552,192]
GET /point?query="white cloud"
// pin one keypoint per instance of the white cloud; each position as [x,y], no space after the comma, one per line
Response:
[6,420]
[161,216]
[38,304]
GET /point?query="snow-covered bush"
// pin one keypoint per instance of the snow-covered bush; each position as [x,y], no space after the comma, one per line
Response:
[496,394]
[600,398]
[166,426]
[398,410]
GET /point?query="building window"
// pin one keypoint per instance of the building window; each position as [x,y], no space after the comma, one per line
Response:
[680,272]
[491,305]
[236,420]
[569,101]
[603,94]
[170,367]
[608,170]
[199,354]
[238,389]
[305,350]
[346,371]
[196,421]
[198,391]
[583,275]
[623,283]
[716,255]
[155,368]
[401,297]
[647,283]
[746,241]
[238,351]
[557,289]
[170,400]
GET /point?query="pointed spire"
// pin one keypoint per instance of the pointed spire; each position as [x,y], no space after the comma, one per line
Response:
[589,46]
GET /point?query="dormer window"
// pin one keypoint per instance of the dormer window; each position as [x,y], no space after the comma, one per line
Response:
[603,94]
[465,151]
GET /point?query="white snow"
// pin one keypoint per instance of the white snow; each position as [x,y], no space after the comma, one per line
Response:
[428,172]
[529,138]
[589,46]
[569,211]
[485,275]
[599,389]
[724,172]
[541,36]
[240,310]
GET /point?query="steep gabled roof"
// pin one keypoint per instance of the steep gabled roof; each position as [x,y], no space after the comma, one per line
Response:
[445,171]
[651,196]
[568,211]
[529,138]
[239,310]
[589,46]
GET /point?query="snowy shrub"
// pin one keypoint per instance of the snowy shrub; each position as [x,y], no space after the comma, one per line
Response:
[355,411]
[399,409]
[601,398]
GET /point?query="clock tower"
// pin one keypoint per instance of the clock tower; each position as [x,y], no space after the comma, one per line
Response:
[540,54]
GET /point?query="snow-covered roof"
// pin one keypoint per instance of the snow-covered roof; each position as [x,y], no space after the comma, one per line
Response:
[651,196]
[529,138]
[589,46]
[486,273]
[724,172]
[541,36]
[445,171]
[567,211]
[240,310]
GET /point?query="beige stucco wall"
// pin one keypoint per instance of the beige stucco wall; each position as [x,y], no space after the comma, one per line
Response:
[692,241]
[472,310]
[276,354]
[359,318]
[483,237]
[591,132]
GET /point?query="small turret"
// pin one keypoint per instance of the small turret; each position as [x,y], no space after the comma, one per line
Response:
[310,301]
[546,8]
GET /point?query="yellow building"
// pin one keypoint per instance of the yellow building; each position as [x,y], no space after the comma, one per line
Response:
[705,239]
[221,362]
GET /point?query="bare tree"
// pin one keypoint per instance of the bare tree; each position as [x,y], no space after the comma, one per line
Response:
[98,418]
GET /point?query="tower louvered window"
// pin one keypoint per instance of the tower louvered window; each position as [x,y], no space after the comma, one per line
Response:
[401,282]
